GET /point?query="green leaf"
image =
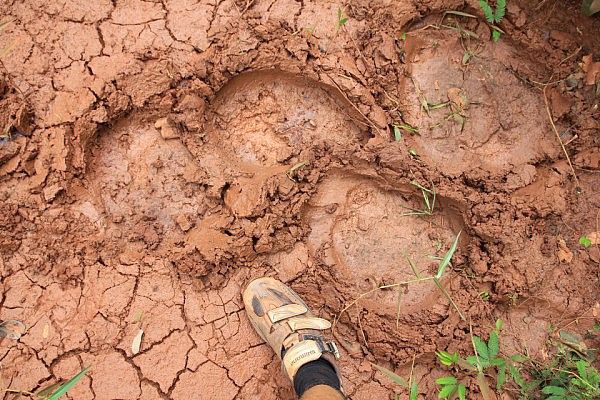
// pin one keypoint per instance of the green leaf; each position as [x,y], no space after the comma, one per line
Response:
[500,10]
[554,390]
[516,376]
[446,391]
[447,257]
[397,133]
[446,380]
[446,358]
[518,358]
[414,391]
[462,392]
[487,11]
[585,241]
[498,362]
[391,376]
[501,378]
[472,360]
[493,345]
[499,325]
[582,368]
[557,397]
[481,347]
[68,384]
[496,35]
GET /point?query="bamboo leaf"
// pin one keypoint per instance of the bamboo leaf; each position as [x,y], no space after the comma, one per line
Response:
[447,257]
[68,384]
[391,376]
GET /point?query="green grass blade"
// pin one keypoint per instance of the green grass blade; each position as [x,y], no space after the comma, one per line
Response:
[391,376]
[414,391]
[68,384]
[446,260]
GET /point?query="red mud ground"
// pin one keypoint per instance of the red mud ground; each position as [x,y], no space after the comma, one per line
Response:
[144,184]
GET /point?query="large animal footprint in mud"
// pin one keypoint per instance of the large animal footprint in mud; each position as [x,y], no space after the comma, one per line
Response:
[231,199]
[232,204]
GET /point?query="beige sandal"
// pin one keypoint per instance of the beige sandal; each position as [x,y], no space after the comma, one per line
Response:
[284,321]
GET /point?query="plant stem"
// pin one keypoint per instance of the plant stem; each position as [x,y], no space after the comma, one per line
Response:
[439,285]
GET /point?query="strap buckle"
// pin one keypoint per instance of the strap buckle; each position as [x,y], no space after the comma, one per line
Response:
[324,346]
[333,349]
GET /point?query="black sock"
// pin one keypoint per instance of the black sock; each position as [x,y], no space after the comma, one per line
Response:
[318,372]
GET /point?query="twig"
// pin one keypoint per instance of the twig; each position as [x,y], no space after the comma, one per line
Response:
[363,295]
[371,123]
[562,145]
[362,332]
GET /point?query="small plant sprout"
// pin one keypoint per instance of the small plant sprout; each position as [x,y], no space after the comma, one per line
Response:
[342,19]
[398,128]
[494,16]
[428,200]
[478,366]
[585,241]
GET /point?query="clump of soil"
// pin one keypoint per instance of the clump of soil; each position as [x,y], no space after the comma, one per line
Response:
[160,155]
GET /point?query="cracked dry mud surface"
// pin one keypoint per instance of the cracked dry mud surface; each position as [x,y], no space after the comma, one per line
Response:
[164,153]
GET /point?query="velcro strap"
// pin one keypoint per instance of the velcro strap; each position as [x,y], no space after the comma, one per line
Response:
[287,311]
[297,323]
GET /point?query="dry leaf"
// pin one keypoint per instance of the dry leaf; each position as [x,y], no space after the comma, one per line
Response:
[591,69]
[563,253]
[137,342]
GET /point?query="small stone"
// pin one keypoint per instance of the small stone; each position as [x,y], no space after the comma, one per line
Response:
[183,222]
[51,191]
[167,128]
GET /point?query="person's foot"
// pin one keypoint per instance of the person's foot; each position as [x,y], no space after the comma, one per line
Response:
[284,321]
